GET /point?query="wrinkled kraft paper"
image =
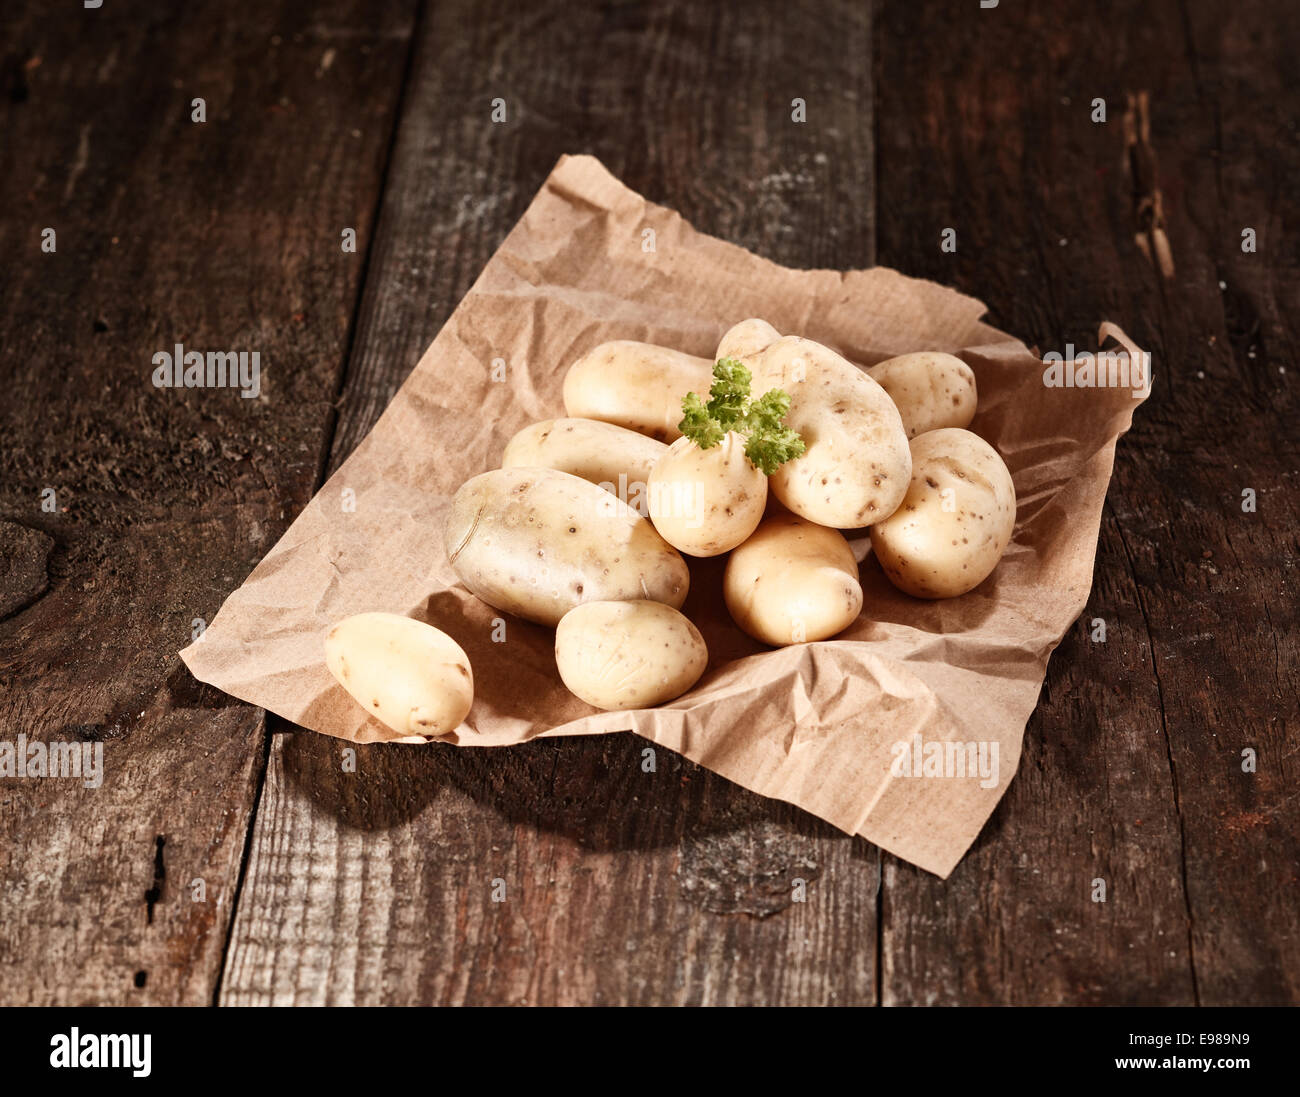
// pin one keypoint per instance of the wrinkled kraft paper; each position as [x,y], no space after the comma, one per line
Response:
[816,724]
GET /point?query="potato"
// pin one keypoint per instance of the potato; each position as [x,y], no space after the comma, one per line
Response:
[635,385]
[746,338]
[408,675]
[956,520]
[615,459]
[536,542]
[931,390]
[856,467]
[619,655]
[706,501]
[792,582]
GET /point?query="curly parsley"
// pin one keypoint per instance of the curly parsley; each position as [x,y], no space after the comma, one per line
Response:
[768,442]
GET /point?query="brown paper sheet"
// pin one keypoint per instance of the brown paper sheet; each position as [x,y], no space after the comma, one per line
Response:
[817,724]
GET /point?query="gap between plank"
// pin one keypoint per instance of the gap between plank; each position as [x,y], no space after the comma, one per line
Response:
[1169,753]
[399,110]
[245,857]
[327,446]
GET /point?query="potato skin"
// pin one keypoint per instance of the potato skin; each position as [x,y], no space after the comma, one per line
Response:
[931,390]
[410,676]
[536,542]
[747,338]
[705,502]
[598,452]
[930,552]
[621,655]
[635,385]
[792,582]
[856,468]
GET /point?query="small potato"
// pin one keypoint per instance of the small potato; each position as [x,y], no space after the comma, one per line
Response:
[792,582]
[857,464]
[408,675]
[705,502]
[931,390]
[956,520]
[536,542]
[619,655]
[746,338]
[611,457]
[635,385]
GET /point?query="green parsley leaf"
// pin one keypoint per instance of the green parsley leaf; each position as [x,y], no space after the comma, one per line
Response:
[768,442]
[729,394]
[697,424]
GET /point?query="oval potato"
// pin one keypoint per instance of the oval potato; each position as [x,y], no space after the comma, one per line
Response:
[620,655]
[792,582]
[856,467]
[705,502]
[956,520]
[410,676]
[931,390]
[635,385]
[536,542]
[747,338]
[609,456]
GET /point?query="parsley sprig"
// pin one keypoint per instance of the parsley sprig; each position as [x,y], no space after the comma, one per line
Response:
[768,442]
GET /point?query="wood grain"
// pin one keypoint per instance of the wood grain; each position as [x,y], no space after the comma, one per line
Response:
[1132,772]
[621,886]
[219,235]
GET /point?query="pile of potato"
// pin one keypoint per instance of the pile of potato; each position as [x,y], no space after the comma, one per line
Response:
[584,525]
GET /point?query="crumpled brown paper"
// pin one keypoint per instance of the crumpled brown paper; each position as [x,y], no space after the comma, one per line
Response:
[819,725]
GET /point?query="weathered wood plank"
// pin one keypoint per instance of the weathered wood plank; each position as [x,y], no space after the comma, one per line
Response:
[1132,769]
[621,886]
[1218,583]
[221,235]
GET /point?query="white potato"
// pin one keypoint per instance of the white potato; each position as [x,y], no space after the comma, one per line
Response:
[706,501]
[536,542]
[616,459]
[931,390]
[410,676]
[792,582]
[620,655]
[746,338]
[635,385]
[956,520]
[856,466]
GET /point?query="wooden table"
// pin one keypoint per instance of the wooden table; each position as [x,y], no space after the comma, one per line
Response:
[226,859]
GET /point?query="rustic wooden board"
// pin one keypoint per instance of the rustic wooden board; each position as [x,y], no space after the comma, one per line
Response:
[620,885]
[1132,772]
[219,235]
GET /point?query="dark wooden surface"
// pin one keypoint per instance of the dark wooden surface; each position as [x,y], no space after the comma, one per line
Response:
[625,886]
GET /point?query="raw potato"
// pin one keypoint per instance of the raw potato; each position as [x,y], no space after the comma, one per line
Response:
[931,390]
[706,501]
[408,675]
[792,582]
[616,459]
[746,338]
[956,521]
[635,385]
[619,655]
[857,464]
[536,542]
